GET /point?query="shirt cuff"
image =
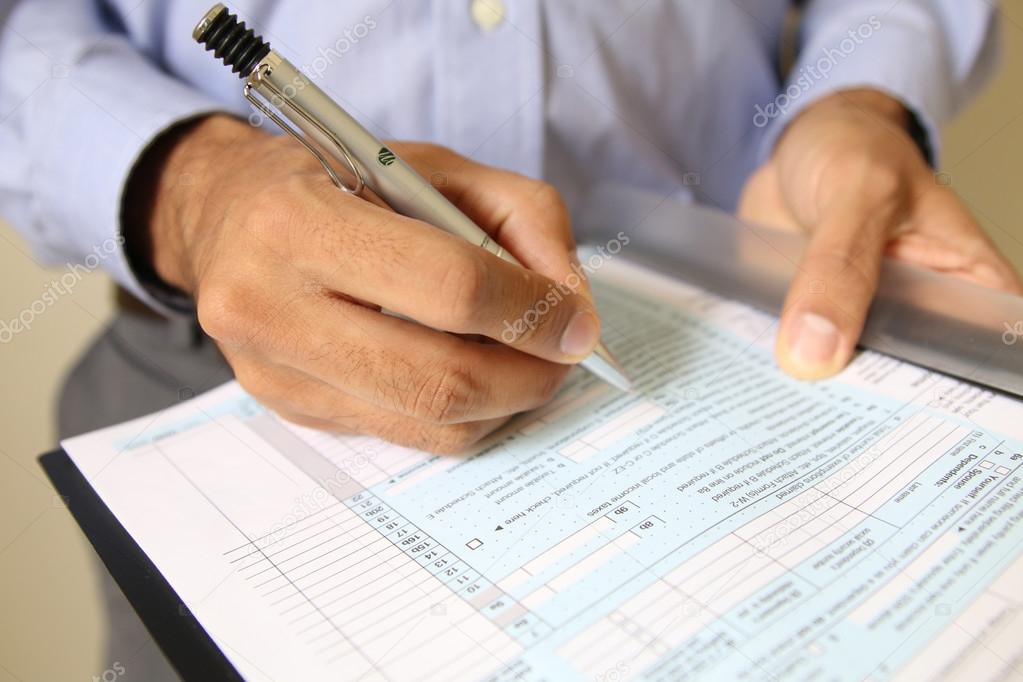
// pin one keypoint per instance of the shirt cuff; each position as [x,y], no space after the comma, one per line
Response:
[901,54]
[102,119]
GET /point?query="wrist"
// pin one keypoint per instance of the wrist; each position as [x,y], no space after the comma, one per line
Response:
[884,110]
[167,192]
[863,112]
[864,101]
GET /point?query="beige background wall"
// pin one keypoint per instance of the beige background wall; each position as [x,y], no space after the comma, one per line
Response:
[50,618]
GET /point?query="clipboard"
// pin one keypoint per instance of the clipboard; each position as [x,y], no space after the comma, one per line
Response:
[187,646]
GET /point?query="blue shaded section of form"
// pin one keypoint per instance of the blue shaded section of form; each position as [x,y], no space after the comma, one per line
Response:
[722,522]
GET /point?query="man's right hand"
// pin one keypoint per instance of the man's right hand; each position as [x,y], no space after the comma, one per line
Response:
[289,276]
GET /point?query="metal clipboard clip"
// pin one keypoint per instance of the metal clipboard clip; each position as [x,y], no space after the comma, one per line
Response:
[258,78]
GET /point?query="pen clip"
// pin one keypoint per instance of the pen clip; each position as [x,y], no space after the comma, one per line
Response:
[258,75]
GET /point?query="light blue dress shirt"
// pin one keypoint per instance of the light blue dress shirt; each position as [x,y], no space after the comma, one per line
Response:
[681,97]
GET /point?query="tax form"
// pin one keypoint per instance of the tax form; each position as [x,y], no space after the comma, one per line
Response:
[721,522]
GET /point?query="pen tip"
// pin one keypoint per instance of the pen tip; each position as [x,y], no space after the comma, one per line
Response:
[605,366]
[622,383]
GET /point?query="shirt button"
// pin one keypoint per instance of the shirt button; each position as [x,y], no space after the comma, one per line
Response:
[488,14]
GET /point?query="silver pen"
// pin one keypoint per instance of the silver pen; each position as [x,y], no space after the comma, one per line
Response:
[284,90]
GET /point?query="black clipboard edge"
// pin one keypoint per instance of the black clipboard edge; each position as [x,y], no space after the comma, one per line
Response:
[181,638]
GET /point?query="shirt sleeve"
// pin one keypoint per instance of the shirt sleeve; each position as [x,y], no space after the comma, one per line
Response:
[79,104]
[932,55]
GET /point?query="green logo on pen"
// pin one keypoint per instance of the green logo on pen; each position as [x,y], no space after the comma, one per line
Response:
[385,156]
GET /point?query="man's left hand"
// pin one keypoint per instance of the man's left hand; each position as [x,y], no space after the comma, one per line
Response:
[847,172]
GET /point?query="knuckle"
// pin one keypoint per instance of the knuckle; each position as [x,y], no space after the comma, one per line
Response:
[529,327]
[445,396]
[322,352]
[878,179]
[886,183]
[834,260]
[433,153]
[463,291]
[310,421]
[453,439]
[548,202]
[268,209]
[225,314]
[545,195]
[539,319]
[342,413]
[368,231]
[256,382]
[846,269]
[551,381]
[293,184]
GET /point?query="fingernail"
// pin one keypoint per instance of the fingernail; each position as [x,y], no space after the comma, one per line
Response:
[813,341]
[581,335]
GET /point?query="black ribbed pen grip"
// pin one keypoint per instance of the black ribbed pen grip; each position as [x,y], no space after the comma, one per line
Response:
[239,47]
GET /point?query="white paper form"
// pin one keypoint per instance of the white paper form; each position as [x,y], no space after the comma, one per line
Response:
[722,522]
